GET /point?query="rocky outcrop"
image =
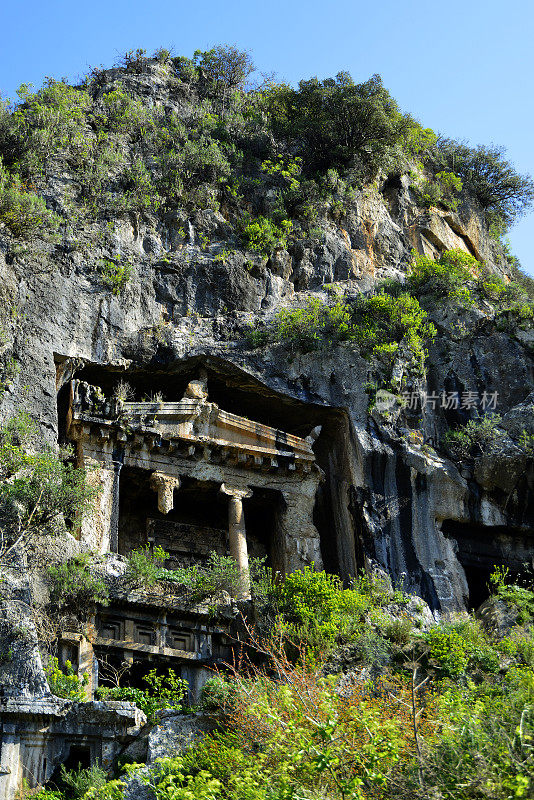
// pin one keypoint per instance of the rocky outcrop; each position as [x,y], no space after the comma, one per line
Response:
[385,498]
[21,671]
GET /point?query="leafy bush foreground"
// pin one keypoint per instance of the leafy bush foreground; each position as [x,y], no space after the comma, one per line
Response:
[446,711]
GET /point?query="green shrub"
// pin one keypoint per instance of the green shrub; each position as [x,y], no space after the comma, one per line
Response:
[66,683]
[525,644]
[9,369]
[225,67]
[493,287]
[459,647]
[331,122]
[311,600]
[139,190]
[43,487]
[203,160]
[526,443]
[164,691]
[169,780]
[418,140]
[376,324]
[519,644]
[441,191]
[485,736]
[262,235]
[519,598]
[383,321]
[315,611]
[372,649]
[444,279]
[101,159]
[475,438]
[146,565]
[40,794]
[122,114]
[112,790]
[286,169]
[450,182]
[115,276]
[134,60]
[47,123]
[198,582]
[524,281]
[22,211]
[399,630]
[162,55]
[514,309]
[301,738]
[315,326]
[217,693]
[77,782]
[500,190]
[73,587]
[223,756]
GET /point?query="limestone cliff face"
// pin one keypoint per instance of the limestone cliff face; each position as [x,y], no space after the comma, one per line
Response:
[387,499]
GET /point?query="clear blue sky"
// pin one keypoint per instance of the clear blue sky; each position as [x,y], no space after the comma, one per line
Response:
[462,67]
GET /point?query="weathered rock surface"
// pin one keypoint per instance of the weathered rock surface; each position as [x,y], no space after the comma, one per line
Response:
[387,498]
[174,733]
[181,312]
[497,616]
[21,670]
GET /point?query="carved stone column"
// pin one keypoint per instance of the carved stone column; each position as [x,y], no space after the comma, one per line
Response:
[164,485]
[114,518]
[97,522]
[299,538]
[237,532]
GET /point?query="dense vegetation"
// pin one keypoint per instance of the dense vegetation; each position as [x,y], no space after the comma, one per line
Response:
[272,157]
[39,491]
[391,325]
[425,709]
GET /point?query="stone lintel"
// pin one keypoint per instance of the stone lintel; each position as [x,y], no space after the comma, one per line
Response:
[137,647]
[293,464]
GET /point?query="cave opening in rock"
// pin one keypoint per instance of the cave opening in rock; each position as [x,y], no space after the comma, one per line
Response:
[112,664]
[79,757]
[481,548]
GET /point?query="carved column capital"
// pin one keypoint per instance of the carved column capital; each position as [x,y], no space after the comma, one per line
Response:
[237,492]
[164,485]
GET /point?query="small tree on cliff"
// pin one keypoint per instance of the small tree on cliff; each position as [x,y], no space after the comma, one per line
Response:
[38,490]
[226,67]
[501,191]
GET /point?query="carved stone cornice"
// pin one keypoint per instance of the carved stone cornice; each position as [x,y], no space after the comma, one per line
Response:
[190,428]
